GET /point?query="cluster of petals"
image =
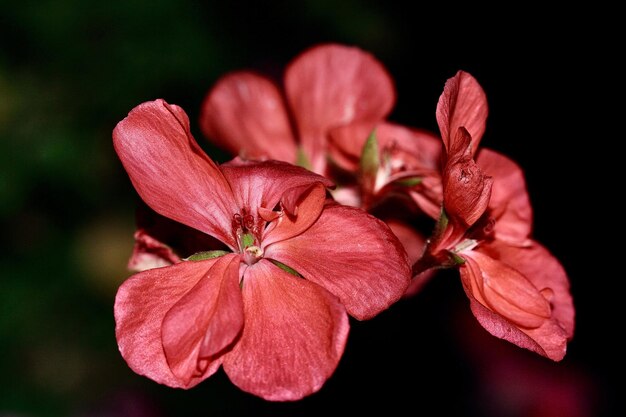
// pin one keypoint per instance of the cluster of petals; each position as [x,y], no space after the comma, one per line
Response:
[268,299]
[254,265]
[332,115]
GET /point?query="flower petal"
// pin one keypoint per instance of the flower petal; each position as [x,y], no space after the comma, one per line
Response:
[504,290]
[309,203]
[170,171]
[333,85]
[141,304]
[353,255]
[412,149]
[293,337]
[463,103]
[548,340]
[414,243]
[263,184]
[245,114]
[466,190]
[509,203]
[545,272]
[149,253]
[205,321]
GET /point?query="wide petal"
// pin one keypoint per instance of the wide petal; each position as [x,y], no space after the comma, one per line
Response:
[333,85]
[466,189]
[294,335]
[463,103]
[541,268]
[141,304]
[245,114]
[263,184]
[353,255]
[519,319]
[509,203]
[205,321]
[170,171]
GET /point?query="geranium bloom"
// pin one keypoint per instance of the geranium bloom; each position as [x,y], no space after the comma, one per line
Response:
[272,308]
[325,87]
[518,291]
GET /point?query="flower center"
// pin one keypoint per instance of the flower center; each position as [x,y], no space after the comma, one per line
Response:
[245,230]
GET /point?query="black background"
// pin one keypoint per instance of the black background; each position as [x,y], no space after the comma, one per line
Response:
[69,71]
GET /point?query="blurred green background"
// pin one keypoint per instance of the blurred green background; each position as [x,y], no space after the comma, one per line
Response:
[70,70]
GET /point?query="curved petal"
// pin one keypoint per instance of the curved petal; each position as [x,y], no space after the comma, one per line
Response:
[548,340]
[463,103]
[545,272]
[333,85]
[170,171]
[353,255]
[205,321]
[308,204]
[293,337]
[504,290]
[263,184]
[466,190]
[149,253]
[141,304]
[245,114]
[509,203]
[546,337]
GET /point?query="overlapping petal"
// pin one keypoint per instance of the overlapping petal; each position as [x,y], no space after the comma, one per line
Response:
[509,204]
[293,337]
[263,184]
[141,304]
[505,290]
[466,189]
[333,85]
[308,207]
[544,270]
[245,114]
[515,311]
[205,321]
[353,255]
[170,171]
[463,103]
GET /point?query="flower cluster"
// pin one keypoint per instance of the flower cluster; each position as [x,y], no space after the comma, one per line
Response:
[254,265]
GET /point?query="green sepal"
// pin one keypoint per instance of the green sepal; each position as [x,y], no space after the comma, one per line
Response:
[370,160]
[301,159]
[456,259]
[203,256]
[409,181]
[286,268]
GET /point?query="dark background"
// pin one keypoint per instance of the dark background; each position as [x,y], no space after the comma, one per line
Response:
[70,70]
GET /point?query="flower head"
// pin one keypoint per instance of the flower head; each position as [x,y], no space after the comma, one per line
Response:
[272,307]
[518,291]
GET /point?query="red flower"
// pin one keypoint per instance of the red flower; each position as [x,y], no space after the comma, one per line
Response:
[518,291]
[325,87]
[273,309]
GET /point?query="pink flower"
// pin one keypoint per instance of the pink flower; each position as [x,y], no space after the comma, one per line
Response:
[325,87]
[518,291]
[273,309]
